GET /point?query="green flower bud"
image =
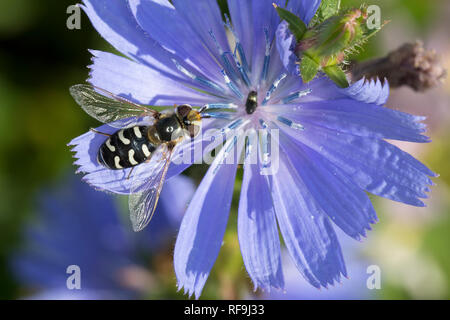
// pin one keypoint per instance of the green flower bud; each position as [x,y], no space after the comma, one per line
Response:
[325,45]
[327,42]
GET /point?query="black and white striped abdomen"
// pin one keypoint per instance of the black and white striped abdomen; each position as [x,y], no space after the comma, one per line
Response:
[126,148]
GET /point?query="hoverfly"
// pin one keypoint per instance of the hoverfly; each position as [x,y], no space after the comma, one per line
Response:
[133,145]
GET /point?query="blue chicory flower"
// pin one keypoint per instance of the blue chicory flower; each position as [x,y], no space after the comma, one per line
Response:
[77,226]
[332,147]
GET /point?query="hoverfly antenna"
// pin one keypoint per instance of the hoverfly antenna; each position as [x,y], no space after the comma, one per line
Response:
[203,109]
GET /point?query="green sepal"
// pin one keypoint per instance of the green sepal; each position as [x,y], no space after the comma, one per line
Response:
[337,75]
[308,68]
[296,25]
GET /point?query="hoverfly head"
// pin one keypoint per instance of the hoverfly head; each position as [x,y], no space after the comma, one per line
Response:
[191,119]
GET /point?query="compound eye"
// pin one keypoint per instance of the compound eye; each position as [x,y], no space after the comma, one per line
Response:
[183,111]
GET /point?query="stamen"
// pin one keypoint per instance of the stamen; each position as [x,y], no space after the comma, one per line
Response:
[248,148]
[232,126]
[263,124]
[296,95]
[218,115]
[273,87]
[229,145]
[267,57]
[264,143]
[265,148]
[290,123]
[239,47]
[199,79]
[223,55]
[231,85]
[231,106]
[241,70]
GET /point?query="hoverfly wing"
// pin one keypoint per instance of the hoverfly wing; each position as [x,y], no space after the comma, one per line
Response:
[144,196]
[107,107]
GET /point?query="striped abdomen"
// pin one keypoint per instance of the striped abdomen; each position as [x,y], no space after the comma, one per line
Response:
[126,148]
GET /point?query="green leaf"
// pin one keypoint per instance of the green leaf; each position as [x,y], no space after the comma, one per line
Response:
[296,25]
[328,8]
[336,74]
[308,68]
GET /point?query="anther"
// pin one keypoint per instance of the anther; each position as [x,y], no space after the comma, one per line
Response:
[231,85]
[296,95]
[267,56]
[273,87]
[290,123]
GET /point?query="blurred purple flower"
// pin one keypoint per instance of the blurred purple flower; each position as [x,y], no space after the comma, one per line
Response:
[331,140]
[355,288]
[78,226]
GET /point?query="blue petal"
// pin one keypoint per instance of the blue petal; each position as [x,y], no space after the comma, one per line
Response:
[203,227]
[344,202]
[354,117]
[373,164]
[285,42]
[306,230]
[305,9]
[114,21]
[140,83]
[204,16]
[257,230]
[167,26]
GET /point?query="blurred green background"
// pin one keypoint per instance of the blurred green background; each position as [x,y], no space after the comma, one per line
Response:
[40,59]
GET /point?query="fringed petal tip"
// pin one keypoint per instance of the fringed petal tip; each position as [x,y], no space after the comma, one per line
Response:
[186,291]
[190,290]
[334,280]
[369,91]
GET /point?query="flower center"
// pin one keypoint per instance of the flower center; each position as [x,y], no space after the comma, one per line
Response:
[252,102]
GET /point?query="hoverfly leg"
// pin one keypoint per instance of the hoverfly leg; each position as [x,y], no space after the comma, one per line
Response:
[131,171]
[101,133]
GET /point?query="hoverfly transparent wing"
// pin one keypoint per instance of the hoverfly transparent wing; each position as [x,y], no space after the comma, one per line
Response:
[107,107]
[145,194]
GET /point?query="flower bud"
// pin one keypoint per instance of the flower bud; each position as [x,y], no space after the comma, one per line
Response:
[328,41]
